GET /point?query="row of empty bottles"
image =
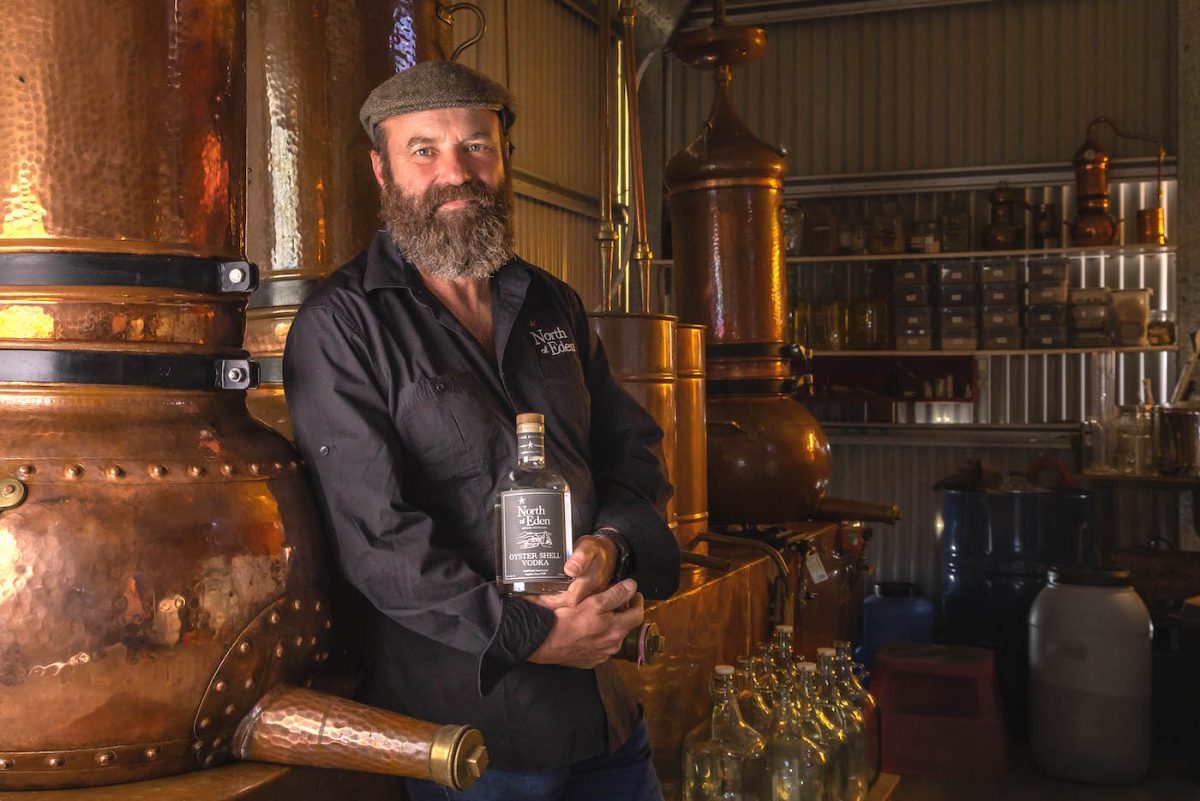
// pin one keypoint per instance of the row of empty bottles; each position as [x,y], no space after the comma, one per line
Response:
[785,729]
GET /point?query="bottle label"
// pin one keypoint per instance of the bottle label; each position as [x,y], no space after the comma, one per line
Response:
[530,446]
[535,525]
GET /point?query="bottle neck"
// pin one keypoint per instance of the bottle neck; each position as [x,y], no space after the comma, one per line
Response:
[725,713]
[531,449]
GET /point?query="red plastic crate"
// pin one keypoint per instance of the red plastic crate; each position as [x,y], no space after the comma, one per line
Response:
[939,711]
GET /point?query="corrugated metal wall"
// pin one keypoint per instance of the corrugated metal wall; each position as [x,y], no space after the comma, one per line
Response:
[547,53]
[1007,82]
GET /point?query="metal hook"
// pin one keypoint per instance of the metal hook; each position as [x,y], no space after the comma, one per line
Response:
[446,15]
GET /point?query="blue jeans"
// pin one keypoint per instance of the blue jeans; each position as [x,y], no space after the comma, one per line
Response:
[626,774]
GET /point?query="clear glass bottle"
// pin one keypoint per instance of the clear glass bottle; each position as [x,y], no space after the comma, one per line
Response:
[765,677]
[849,682]
[533,523]
[846,715]
[752,701]
[824,731]
[724,759]
[783,659]
[798,766]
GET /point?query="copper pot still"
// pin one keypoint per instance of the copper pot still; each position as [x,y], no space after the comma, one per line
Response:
[161,569]
[1093,225]
[1006,228]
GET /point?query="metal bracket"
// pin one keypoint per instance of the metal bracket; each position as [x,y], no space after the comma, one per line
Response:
[236,374]
[12,493]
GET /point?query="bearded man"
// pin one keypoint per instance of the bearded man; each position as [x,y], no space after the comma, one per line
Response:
[404,373]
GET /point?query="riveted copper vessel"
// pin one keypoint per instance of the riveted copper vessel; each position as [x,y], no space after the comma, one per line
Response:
[160,564]
[641,352]
[1093,225]
[768,459]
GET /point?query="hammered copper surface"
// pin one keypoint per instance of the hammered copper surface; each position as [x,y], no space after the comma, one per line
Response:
[112,318]
[827,600]
[641,353]
[121,126]
[301,727]
[768,460]
[691,435]
[712,619]
[157,525]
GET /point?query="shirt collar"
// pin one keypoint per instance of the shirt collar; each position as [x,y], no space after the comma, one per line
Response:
[387,268]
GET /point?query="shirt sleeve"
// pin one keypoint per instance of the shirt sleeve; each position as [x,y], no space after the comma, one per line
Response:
[631,483]
[384,546]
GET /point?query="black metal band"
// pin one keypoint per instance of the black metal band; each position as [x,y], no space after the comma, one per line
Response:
[283,292]
[751,386]
[747,350]
[270,370]
[162,371]
[185,273]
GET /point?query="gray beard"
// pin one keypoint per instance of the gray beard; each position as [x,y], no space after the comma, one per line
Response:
[468,243]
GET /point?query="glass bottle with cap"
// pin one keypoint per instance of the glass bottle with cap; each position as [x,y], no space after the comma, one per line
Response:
[799,767]
[783,660]
[533,523]
[849,682]
[752,701]
[765,676]
[724,759]
[839,709]
[826,731]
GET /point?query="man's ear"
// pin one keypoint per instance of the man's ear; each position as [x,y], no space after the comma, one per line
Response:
[377,166]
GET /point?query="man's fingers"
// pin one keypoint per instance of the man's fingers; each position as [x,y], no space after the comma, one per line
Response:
[628,619]
[581,559]
[616,596]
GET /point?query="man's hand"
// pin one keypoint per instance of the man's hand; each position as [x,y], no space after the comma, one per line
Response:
[589,633]
[590,567]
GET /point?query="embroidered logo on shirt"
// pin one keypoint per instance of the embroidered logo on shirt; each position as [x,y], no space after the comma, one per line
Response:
[554,342]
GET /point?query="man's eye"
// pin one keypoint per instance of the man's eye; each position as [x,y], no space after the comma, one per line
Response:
[476,147]
[423,152]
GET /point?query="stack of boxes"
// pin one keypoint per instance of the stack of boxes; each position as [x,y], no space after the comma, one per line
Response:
[958,304]
[914,314]
[1001,297]
[1046,299]
[1090,309]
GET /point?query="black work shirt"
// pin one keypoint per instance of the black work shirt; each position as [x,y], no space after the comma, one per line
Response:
[407,425]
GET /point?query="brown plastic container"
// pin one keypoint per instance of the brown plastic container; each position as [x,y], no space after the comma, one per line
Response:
[958,295]
[956,272]
[1047,337]
[1000,272]
[914,340]
[1046,315]
[914,318]
[1043,293]
[910,275]
[960,342]
[1001,317]
[913,295]
[958,320]
[1049,271]
[1000,295]
[1091,316]
[1005,338]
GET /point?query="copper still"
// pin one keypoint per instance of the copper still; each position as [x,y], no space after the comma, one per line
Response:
[691,437]
[1006,228]
[1093,224]
[160,565]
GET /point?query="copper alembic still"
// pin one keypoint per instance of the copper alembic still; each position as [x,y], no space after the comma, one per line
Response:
[1006,227]
[768,458]
[1093,224]
[164,594]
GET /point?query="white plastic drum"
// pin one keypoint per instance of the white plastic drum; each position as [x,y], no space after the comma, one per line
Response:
[1089,677]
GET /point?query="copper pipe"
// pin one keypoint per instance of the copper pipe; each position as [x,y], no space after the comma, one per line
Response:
[754,545]
[641,244]
[292,726]
[839,509]
[607,235]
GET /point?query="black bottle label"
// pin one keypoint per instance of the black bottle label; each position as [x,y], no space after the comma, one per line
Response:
[534,534]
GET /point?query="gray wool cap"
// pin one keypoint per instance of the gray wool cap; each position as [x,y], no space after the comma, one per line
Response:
[435,84]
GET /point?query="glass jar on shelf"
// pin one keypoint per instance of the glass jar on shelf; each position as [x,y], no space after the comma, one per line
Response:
[793,229]
[828,317]
[1160,331]
[955,224]
[821,231]
[887,228]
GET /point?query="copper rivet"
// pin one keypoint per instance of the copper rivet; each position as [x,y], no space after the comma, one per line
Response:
[255,469]
[116,471]
[220,686]
[328,625]
[299,641]
[278,466]
[25,470]
[74,471]
[209,760]
[203,724]
[151,753]
[279,651]
[297,604]
[293,466]
[248,683]
[198,745]
[317,606]
[244,647]
[227,469]
[195,471]
[230,710]
[56,762]
[316,657]
[218,742]
[158,470]
[273,618]
[6,764]
[312,641]
[106,758]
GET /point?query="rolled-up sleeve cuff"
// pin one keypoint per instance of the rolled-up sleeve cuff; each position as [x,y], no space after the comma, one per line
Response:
[523,628]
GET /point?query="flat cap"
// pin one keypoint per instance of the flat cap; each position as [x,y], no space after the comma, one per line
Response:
[435,84]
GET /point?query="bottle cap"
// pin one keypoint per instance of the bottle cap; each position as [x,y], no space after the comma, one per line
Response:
[530,423]
[826,652]
[784,629]
[724,670]
[807,667]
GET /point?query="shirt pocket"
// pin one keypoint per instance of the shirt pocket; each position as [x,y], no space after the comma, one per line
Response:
[444,424]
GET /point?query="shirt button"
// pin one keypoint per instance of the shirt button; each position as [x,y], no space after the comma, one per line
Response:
[439,387]
[324,450]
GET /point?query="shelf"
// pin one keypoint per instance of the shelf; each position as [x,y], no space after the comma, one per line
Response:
[858,354]
[1078,253]
[1148,481]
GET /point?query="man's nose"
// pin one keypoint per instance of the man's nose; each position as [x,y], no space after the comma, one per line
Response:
[456,168]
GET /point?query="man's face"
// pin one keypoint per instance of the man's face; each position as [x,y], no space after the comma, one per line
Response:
[445,191]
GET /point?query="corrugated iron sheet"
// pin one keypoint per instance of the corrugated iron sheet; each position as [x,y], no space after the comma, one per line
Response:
[1013,82]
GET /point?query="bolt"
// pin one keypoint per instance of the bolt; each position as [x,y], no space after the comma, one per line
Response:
[56,762]
[158,470]
[236,374]
[6,764]
[26,470]
[115,472]
[106,758]
[195,471]
[227,469]
[237,275]
[73,472]
[150,753]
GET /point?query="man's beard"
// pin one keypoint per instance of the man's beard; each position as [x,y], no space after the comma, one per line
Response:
[471,242]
